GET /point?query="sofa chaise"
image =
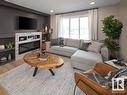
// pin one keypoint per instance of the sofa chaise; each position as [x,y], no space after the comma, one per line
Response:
[83,54]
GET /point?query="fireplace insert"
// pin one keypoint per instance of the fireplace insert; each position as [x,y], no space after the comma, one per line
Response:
[25,47]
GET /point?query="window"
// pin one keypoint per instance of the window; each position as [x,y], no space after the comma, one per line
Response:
[64,31]
[75,28]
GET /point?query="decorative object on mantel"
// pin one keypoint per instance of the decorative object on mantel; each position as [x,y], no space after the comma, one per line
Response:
[50,30]
[41,29]
[112,29]
[2,47]
[46,28]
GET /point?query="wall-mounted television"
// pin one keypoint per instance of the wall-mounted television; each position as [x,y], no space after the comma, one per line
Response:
[26,23]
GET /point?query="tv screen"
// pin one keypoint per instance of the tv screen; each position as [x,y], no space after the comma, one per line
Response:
[26,23]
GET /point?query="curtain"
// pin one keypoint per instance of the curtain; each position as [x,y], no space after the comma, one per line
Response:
[58,24]
[93,24]
[55,25]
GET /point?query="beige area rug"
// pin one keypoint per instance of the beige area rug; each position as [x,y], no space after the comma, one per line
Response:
[20,81]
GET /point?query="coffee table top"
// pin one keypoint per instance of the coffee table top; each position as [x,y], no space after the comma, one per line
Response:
[53,61]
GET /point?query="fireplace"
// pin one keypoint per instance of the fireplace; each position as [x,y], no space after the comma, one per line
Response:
[25,47]
[26,42]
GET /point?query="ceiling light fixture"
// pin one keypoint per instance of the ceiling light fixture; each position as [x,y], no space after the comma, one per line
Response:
[92,3]
[51,11]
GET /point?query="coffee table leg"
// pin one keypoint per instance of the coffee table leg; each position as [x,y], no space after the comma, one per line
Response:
[35,71]
[52,72]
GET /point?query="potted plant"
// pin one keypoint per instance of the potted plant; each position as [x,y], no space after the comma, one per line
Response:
[10,44]
[112,29]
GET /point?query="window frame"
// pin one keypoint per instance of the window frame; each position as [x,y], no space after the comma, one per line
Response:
[79,30]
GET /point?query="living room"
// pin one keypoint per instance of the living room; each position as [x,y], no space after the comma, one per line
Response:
[63,47]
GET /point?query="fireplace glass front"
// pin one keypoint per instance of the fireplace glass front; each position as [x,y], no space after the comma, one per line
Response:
[25,47]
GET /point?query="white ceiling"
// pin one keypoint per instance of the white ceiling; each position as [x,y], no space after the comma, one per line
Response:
[61,6]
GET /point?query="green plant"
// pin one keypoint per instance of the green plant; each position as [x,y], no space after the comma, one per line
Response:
[10,44]
[111,44]
[112,29]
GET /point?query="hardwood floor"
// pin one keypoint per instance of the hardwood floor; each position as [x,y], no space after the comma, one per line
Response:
[11,65]
[7,67]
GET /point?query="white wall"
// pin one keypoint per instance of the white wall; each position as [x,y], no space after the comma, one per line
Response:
[123,18]
[102,13]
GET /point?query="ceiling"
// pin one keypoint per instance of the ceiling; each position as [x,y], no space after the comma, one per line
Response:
[61,6]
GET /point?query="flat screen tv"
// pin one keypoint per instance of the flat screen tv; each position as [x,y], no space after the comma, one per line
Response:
[26,23]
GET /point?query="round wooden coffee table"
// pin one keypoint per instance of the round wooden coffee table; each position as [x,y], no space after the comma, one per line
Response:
[53,61]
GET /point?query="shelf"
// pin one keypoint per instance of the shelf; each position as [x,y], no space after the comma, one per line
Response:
[2,63]
[8,49]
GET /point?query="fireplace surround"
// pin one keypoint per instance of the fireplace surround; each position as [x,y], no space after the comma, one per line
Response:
[27,42]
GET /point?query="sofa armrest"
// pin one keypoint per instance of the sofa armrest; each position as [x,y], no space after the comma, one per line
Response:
[105,53]
[103,68]
[90,87]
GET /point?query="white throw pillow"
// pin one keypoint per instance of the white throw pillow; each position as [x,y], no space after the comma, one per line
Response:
[95,47]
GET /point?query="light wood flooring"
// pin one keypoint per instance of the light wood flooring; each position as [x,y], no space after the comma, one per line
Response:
[7,67]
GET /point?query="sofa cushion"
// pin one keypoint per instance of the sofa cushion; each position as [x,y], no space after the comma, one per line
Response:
[65,49]
[95,47]
[73,43]
[85,57]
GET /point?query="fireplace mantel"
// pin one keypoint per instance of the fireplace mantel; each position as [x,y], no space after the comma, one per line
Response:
[28,39]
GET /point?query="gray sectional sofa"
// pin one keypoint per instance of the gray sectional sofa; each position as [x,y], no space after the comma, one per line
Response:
[78,51]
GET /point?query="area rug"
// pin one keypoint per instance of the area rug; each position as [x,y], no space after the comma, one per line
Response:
[20,81]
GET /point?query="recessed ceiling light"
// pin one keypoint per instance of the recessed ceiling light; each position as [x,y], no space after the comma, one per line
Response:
[92,3]
[51,11]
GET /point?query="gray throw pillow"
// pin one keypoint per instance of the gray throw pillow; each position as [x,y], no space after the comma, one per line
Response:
[84,46]
[61,41]
[54,42]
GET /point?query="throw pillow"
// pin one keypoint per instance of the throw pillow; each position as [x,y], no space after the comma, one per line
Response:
[61,42]
[84,45]
[54,42]
[95,47]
